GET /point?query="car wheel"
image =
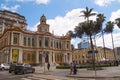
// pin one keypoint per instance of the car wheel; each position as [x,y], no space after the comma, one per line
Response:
[24,72]
[9,71]
[33,71]
[15,72]
[3,68]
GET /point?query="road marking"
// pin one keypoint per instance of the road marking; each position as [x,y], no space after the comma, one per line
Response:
[25,79]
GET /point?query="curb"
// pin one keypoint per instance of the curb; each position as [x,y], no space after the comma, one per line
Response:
[94,76]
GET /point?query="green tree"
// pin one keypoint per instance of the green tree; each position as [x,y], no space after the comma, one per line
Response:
[100,20]
[109,29]
[118,22]
[88,28]
[87,13]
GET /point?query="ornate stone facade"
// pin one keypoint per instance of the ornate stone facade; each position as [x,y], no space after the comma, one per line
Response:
[34,47]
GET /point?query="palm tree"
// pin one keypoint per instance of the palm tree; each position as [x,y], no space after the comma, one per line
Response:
[88,24]
[109,29]
[118,22]
[88,28]
[100,20]
[87,13]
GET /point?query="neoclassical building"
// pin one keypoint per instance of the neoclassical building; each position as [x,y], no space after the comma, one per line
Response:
[17,44]
[82,56]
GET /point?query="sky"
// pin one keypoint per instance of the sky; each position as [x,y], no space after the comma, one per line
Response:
[64,15]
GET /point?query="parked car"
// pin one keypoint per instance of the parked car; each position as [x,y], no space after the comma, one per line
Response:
[21,68]
[0,67]
[5,66]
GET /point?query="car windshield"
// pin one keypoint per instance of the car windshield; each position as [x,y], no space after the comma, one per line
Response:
[27,65]
[5,64]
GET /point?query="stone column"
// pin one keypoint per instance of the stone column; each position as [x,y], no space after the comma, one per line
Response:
[53,54]
[50,57]
[71,57]
[37,42]
[20,56]
[37,57]
[10,54]
[12,38]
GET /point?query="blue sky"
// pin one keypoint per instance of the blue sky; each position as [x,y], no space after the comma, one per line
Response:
[63,15]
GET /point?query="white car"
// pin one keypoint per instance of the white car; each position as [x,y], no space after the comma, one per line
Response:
[5,66]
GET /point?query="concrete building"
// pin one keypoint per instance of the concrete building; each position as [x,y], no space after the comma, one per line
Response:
[7,18]
[34,47]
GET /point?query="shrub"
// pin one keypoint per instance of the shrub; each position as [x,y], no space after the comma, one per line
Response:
[62,67]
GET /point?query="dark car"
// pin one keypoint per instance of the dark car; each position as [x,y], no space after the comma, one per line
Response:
[0,67]
[21,68]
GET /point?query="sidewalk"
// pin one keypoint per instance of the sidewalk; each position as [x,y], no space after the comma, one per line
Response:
[63,74]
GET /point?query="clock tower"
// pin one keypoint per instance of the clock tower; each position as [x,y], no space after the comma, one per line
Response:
[43,26]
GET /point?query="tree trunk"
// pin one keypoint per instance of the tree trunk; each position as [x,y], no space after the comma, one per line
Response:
[104,44]
[113,46]
[93,54]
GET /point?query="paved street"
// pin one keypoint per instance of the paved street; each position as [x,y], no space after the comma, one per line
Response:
[109,73]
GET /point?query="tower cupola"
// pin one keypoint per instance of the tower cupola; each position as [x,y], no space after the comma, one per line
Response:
[43,26]
[43,19]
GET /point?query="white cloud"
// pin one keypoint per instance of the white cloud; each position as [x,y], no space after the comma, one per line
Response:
[36,1]
[115,15]
[116,36]
[104,2]
[108,40]
[61,25]
[12,8]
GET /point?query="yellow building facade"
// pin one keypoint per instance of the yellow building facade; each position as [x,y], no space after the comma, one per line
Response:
[82,56]
[34,47]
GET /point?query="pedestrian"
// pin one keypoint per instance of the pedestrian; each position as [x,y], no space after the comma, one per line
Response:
[71,68]
[48,66]
[74,68]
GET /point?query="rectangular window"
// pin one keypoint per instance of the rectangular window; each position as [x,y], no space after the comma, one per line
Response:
[60,45]
[40,57]
[24,57]
[33,57]
[28,57]
[40,43]
[15,38]
[33,42]
[28,41]
[68,45]
[24,41]
[51,43]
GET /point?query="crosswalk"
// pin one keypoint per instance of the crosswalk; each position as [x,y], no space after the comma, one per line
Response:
[33,78]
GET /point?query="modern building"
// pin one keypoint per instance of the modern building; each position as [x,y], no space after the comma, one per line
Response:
[83,44]
[35,47]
